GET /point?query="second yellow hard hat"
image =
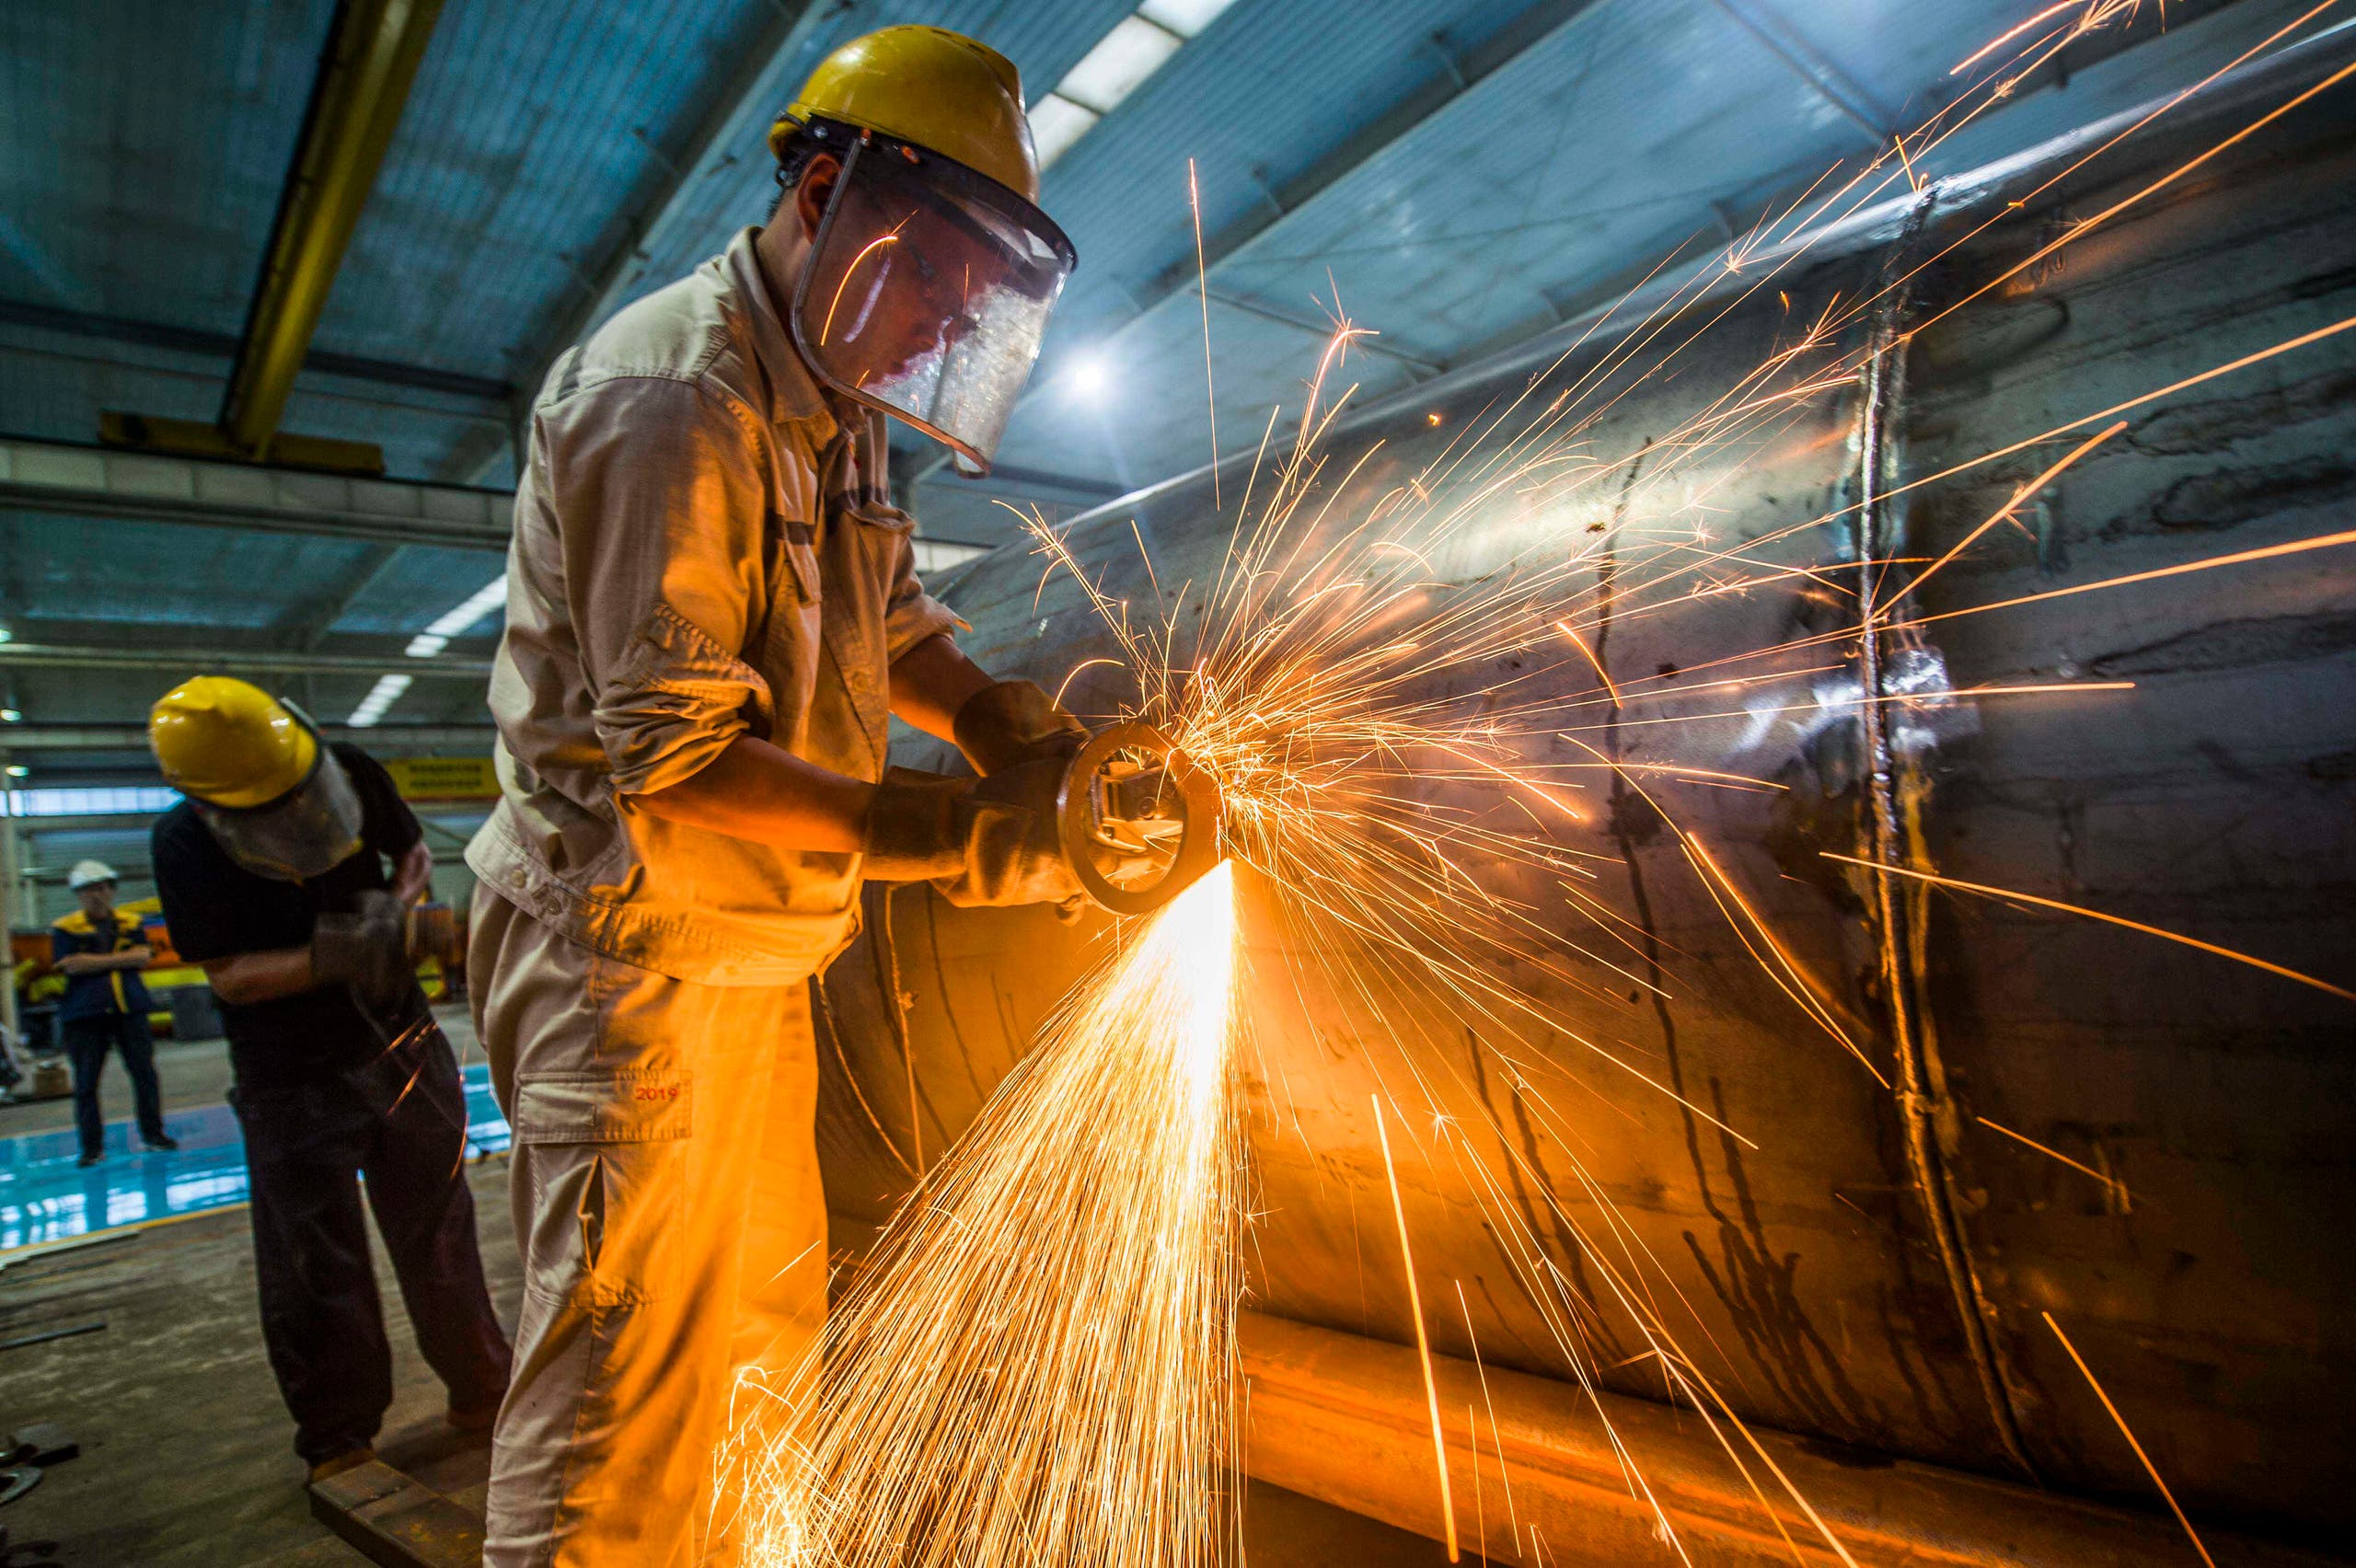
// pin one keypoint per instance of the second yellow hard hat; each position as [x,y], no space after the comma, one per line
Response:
[229,743]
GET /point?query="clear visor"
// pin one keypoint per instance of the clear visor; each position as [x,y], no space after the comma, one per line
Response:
[927,290]
[304,833]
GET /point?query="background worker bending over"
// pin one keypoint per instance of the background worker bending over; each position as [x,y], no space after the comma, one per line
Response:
[287,872]
[713,616]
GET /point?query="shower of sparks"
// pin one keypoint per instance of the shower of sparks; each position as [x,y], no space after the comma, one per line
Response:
[1037,1365]
[2129,1432]
[1403,682]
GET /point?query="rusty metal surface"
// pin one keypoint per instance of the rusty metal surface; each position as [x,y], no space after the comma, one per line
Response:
[2204,1281]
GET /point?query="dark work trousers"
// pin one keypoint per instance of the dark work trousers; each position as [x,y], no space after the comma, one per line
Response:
[88,1041]
[401,1124]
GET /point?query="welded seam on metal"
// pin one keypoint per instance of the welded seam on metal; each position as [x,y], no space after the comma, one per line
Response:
[1921,1093]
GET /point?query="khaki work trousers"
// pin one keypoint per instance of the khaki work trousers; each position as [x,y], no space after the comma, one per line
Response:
[673,1230]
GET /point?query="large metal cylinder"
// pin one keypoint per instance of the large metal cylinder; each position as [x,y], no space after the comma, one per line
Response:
[1875,1275]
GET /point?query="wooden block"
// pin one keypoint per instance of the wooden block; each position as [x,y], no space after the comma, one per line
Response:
[396,1521]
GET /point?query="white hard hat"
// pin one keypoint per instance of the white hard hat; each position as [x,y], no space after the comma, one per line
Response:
[88,873]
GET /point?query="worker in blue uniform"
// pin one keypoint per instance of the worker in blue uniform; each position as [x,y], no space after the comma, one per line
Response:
[101,952]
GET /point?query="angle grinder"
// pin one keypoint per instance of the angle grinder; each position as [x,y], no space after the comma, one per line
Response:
[1140,820]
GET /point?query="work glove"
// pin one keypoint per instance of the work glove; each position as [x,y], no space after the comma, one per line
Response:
[1014,722]
[984,843]
[368,949]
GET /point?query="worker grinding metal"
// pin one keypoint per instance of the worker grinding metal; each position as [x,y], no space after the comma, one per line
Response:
[101,952]
[273,873]
[712,614]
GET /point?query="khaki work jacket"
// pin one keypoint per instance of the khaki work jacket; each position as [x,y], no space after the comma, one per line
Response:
[703,549]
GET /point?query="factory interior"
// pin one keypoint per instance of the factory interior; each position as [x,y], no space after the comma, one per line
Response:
[1152,783]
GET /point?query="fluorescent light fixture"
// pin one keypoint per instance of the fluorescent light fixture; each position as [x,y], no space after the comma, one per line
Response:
[492,596]
[1184,17]
[1133,51]
[12,716]
[1140,44]
[1055,123]
[19,770]
[382,695]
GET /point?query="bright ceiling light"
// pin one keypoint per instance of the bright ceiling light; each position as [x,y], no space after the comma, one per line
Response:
[1139,45]
[12,716]
[492,596]
[382,695]
[1133,51]
[1087,375]
[19,770]
[1055,123]
[1184,17]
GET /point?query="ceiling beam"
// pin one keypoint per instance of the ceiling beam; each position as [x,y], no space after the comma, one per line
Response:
[734,129]
[1371,343]
[372,52]
[391,740]
[90,482]
[222,346]
[1813,66]
[242,662]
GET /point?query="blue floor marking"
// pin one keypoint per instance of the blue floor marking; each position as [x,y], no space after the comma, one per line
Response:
[45,1196]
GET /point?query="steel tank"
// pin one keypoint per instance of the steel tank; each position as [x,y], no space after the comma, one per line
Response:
[1875,1274]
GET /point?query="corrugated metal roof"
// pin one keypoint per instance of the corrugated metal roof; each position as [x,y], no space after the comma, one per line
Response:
[1632,128]
[147,143]
[535,130]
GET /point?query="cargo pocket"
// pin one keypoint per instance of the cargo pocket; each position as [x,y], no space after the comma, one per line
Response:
[607,1157]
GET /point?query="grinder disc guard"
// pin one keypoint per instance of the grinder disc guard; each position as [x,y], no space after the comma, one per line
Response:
[1139,822]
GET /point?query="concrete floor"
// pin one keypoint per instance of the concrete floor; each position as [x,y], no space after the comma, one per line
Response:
[185,1460]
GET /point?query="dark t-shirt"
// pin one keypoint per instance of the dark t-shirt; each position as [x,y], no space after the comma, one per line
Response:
[215,908]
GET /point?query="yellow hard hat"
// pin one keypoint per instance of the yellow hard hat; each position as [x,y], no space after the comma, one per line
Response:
[939,89]
[229,744]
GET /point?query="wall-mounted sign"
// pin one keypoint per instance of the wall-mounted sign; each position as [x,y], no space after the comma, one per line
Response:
[444,778]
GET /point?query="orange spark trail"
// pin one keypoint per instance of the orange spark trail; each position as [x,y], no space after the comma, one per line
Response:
[2149,1467]
[1423,1341]
[2119,920]
[1202,289]
[2112,1183]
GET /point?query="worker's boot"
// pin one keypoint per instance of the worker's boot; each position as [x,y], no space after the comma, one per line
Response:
[327,1469]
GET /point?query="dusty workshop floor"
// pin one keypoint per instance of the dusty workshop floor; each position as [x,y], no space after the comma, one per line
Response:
[185,1459]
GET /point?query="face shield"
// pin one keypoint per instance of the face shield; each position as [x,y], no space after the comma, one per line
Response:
[303,833]
[927,290]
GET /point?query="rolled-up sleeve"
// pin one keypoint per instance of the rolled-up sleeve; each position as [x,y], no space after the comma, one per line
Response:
[910,615]
[662,511]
